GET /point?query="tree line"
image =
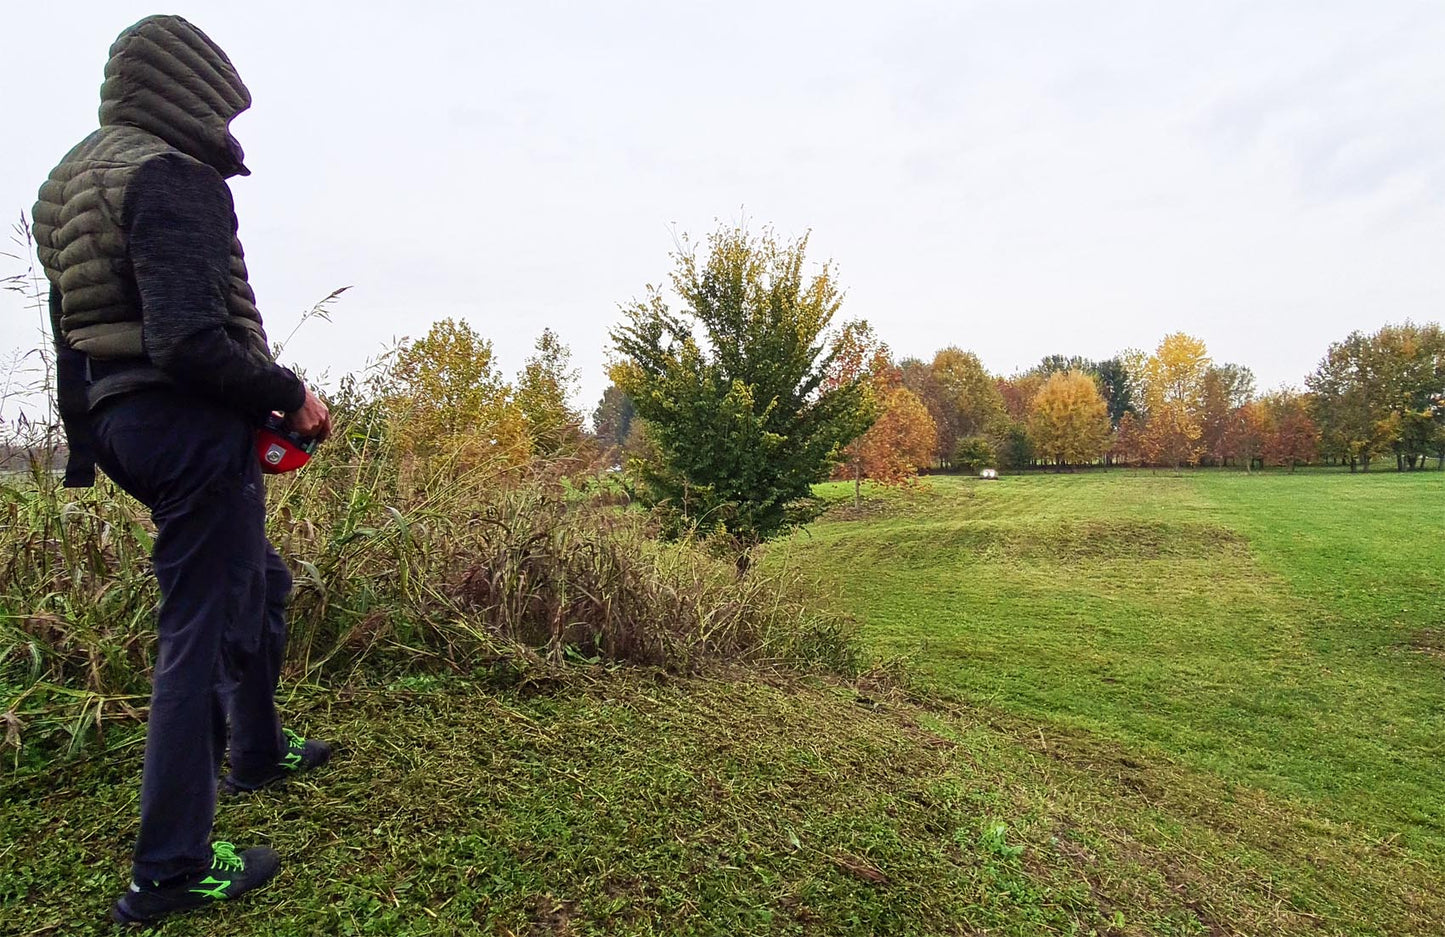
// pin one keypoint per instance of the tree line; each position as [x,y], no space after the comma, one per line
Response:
[1373,396]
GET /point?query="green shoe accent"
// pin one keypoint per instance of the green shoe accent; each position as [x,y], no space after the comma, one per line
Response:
[223,857]
[295,748]
[218,893]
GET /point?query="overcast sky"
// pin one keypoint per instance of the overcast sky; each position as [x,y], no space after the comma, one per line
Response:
[1017,178]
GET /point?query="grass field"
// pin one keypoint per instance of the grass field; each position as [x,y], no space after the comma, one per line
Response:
[1144,704]
[1276,631]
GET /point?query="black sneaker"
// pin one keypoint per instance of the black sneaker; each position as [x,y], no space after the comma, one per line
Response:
[301,755]
[229,876]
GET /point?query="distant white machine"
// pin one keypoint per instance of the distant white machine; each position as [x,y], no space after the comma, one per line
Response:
[988,473]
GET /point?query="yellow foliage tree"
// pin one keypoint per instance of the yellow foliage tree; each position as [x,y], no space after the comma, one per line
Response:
[1174,386]
[1069,421]
[543,393]
[448,399]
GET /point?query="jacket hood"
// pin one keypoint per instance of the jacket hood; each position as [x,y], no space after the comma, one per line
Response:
[167,77]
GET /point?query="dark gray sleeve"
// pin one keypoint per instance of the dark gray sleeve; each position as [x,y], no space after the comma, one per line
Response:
[180,222]
[71,401]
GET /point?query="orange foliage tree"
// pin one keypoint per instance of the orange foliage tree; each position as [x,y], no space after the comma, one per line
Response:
[1253,431]
[1128,441]
[903,438]
[899,443]
[1293,438]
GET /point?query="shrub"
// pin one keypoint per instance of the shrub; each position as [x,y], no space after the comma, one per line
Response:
[400,563]
[973,453]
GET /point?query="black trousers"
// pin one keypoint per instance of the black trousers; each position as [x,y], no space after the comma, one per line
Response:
[222,624]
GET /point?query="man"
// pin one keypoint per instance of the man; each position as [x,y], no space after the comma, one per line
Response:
[164,372]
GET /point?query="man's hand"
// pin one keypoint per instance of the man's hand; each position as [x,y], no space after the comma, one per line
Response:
[313,420]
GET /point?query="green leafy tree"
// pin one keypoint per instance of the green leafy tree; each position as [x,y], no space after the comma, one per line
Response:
[1348,401]
[973,453]
[1116,386]
[732,389]
[1409,368]
[1016,449]
[612,420]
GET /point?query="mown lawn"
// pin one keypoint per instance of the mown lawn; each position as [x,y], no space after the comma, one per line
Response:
[636,804]
[1281,632]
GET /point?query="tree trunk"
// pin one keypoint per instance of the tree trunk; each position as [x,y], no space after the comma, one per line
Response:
[857,484]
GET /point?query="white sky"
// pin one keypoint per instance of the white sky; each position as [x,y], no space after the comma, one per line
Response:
[1017,178]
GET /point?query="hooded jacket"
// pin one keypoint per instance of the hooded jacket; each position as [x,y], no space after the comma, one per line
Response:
[136,232]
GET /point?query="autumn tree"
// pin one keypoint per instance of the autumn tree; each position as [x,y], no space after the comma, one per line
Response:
[1173,383]
[544,391]
[1069,421]
[970,391]
[861,357]
[1127,443]
[903,437]
[919,378]
[898,443]
[1111,376]
[731,388]
[447,398]
[1254,431]
[1291,437]
[1017,394]
[1226,389]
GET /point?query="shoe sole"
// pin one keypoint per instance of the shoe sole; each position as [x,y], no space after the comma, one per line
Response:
[120,915]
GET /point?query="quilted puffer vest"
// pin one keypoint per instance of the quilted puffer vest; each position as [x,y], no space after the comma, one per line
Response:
[168,88]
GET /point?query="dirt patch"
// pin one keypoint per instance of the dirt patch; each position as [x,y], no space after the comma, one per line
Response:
[1428,641]
[554,918]
[867,511]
